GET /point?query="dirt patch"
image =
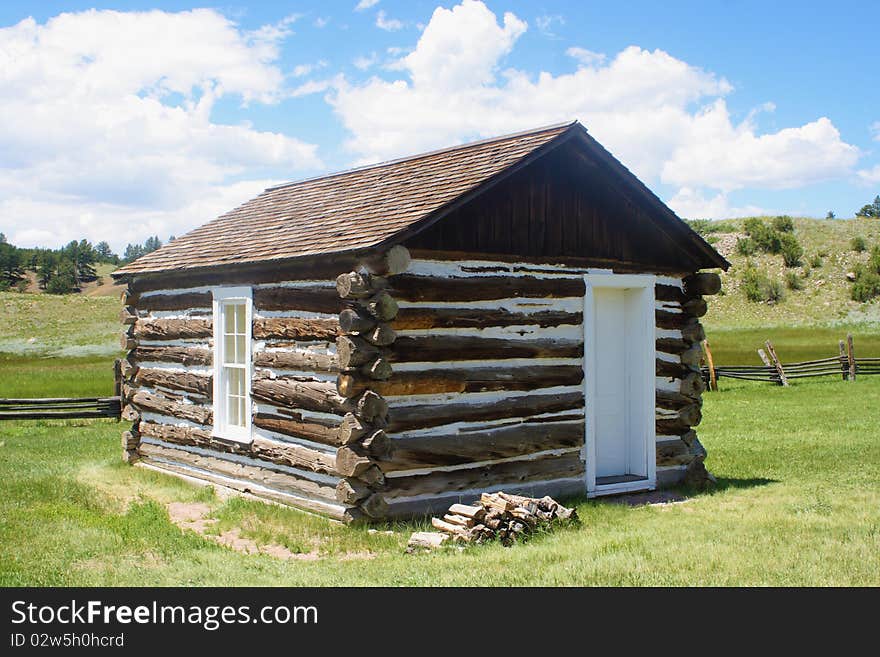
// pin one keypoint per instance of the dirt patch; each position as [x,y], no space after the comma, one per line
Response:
[195,517]
[725,243]
[654,497]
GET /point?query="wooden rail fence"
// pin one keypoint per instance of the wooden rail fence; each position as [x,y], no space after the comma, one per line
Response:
[59,408]
[845,365]
[65,408]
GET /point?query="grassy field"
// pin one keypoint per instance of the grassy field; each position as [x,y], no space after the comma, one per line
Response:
[825,299]
[798,504]
[798,501]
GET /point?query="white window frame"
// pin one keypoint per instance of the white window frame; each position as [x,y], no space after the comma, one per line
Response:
[644,351]
[223,296]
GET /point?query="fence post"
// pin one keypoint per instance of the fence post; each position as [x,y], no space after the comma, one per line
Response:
[713,382]
[844,359]
[850,353]
[778,365]
[774,375]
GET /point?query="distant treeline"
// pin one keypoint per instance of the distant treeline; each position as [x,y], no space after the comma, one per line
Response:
[64,270]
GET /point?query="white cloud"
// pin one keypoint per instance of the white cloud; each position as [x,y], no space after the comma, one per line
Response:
[586,57]
[692,203]
[363,62]
[302,70]
[870,176]
[320,22]
[387,24]
[366,4]
[546,22]
[667,120]
[106,129]
[875,129]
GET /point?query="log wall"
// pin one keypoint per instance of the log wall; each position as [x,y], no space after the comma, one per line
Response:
[400,386]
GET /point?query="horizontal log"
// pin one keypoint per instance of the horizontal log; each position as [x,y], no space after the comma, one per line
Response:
[511,472]
[374,506]
[421,416]
[491,444]
[268,477]
[673,452]
[157,403]
[294,455]
[673,370]
[185,381]
[481,379]
[351,490]
[128,315]
[352,321]
[298,427]
[673,401]
[351,429]
[695,307]
[318,268]
[692,356]
[672,345]
[183,435]
[437,348]
[392,262]
[305,360]
[692,385]
[295,328]
[352,461]
[672,321]
[183,355]
[126,342]
[372,408]
[479,288]
[382,306]
[426,318]
[353,351]
[308,299]
[438,505]
[173,329]
[357,285]
[183,301]
[671,293]
[297,394]
[693,331]
[702,284]
[689,416]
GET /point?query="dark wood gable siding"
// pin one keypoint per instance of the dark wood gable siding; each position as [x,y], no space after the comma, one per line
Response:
[560,206]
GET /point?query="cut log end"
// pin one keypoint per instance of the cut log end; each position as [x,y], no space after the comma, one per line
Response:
[395,260]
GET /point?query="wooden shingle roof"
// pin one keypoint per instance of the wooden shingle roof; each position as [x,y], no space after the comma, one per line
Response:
[345,211]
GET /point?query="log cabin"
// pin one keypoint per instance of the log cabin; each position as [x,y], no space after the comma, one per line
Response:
[519,313]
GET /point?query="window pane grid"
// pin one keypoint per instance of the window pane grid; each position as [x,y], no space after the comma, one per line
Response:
[234,358]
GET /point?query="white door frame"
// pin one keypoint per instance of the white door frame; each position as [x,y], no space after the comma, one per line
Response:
[642,366]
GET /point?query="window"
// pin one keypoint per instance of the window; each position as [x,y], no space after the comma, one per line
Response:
[232,363]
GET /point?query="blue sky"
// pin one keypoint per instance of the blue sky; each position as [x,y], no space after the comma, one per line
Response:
[141,118]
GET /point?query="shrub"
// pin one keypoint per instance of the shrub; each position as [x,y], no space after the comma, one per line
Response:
[793,281]
[816,261]
[701,226]
[765,237]
[874,260]
[866,287]
[857,244]
[758,287]
[783,224]
[807,271]
[746,246]
[792,251]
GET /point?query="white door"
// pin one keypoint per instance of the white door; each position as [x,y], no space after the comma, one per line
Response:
[611,398]
[619,383]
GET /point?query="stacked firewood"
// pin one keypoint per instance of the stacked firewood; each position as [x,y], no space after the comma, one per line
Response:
[497,516]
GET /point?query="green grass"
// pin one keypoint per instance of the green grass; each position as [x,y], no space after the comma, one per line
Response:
[792,344]
[21,376]
[798,504]
[69,325]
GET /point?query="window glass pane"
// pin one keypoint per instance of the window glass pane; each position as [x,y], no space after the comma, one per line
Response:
[229,318]
[233,417]
[241,411]
[239,318]
[228,349]
[239,349]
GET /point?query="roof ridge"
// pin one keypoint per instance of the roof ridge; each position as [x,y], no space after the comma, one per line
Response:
[407,158]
